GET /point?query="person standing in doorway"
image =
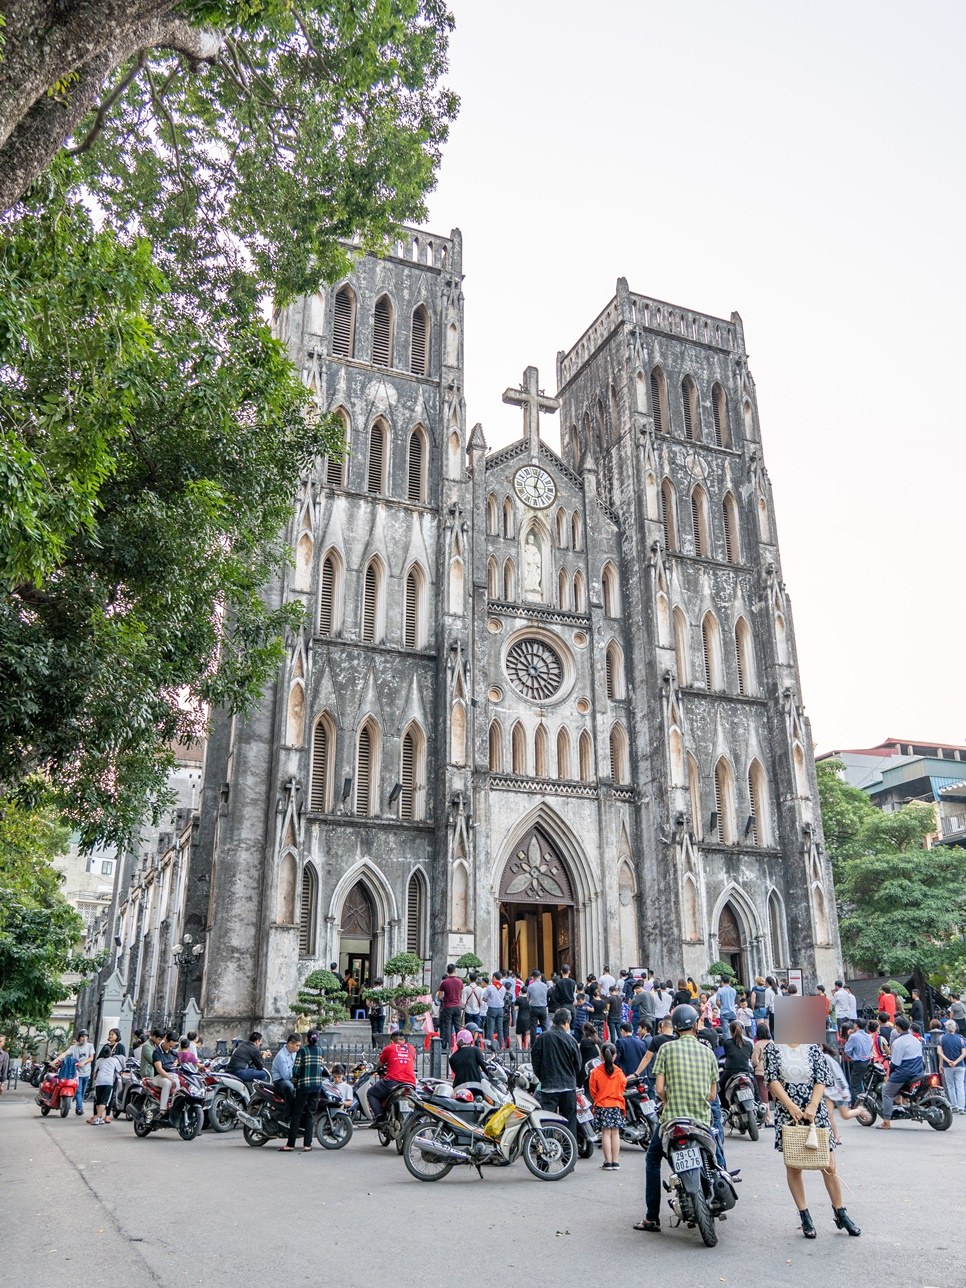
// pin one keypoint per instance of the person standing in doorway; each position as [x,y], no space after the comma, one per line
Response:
[556,1062]
[450,996]
[377,1015]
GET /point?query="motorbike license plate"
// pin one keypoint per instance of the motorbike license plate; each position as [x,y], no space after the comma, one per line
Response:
[687,1160]
[745,1094]
[647,1106]
[405,1107]
[584,1116]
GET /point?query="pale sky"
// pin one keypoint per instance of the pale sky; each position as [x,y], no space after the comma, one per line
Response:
[803,165]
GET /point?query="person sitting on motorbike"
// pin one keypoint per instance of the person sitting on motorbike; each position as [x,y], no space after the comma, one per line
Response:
[907,1065]
[146,1054]
[737,1057]
[686,1082]
[163,1064]
[467,1063]
[282,1068]
[398,1065]
[245,1062]
[344,1088]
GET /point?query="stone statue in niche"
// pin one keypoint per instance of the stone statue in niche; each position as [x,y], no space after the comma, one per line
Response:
[532,568]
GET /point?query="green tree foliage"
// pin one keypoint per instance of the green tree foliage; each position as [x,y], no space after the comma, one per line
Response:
[721,970]
[901,906]
[401,996]
[39,930]
[321,998]
[469,961]
[152,433]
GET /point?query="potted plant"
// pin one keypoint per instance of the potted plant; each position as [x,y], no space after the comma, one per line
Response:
[721,970]
[402,996]
[321,999]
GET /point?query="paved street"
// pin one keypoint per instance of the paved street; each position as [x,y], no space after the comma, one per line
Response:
[96,1205]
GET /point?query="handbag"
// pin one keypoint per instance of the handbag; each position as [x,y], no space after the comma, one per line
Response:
[806,1146]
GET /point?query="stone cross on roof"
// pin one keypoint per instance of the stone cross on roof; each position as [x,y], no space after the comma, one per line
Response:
[533,401]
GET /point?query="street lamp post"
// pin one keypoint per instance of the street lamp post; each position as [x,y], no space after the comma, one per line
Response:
[185,957]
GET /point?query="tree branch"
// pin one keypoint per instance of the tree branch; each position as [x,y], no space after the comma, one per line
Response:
[106,106]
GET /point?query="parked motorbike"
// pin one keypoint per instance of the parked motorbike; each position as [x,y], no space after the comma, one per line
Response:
[742,1110]
[400,1104]
[227,1097]
[56,1092]
[185,1111]
[128,1081]
[267,1117]
[587,1138]
[518,1128]
[640,1114]
[924,1101]
[700,1190]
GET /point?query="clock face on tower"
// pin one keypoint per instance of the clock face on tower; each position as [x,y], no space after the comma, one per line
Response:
[534,486]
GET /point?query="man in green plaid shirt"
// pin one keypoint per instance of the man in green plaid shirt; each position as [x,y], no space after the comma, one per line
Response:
[686,1081]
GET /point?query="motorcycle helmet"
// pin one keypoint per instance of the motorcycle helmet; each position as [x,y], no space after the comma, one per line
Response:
[683,1017]
[472,1028]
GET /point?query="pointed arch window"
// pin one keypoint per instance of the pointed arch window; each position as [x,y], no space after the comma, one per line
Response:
[719,411]
[541,752]
[757,829]
[694,797]
[691,931]
[492,578]
[781,639]
[585,750]
[323,766]
[689,400]
[681,653]
[518,749]
[729,511]
[564,767]
[611,591]
[457,752]
[416,915]
[508,518]
[413,634]
[382,332]
[711,642]
[563,588]
[367,770]
[724,803]
[749,418]
[776,925]
[413,774]
[419,354]
[492,516]
[296,714]
[456,585]
[801,775]
[699,523]
[509,581]
[330,594]
[580,592]
[614,668]
[744,658]
[344,323]
[335,462]
[495,743]
[303,562]
[562,529]
[659,401]
[372,605]
[376,471]
[416,471]
[619,767]
[308,911]
[287,887]
[667,515]
[576,527]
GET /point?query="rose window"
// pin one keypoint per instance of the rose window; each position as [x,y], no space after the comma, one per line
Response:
[535,669]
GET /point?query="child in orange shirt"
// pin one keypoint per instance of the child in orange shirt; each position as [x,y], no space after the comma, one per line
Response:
[607,1084]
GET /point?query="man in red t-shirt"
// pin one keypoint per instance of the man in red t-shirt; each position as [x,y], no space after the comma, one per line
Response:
[450,996]
[398,1065]
[887,1002]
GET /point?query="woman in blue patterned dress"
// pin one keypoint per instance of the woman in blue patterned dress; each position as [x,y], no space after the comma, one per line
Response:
[797,1076]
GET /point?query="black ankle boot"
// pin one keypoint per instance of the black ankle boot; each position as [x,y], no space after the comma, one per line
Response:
[845,1222]
[808,1225]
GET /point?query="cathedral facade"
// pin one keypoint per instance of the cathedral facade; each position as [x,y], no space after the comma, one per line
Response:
[544,708]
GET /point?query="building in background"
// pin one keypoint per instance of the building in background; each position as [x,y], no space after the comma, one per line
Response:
[545,707]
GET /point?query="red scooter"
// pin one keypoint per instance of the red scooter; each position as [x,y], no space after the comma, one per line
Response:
[56,1092]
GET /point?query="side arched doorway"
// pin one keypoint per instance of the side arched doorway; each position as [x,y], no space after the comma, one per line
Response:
[731,948]
[538,929]
[356,936]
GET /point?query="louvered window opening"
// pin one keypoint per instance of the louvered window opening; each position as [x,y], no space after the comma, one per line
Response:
[342,328]
[364,773]
[369,605]
[381,334]
[611,675]
[718,805]
[377,452]
[407,801]
[741,664]
[307,915]
[656,407]
[414,912]
[687,396]
[667,517]
[415,479]
[419,364]
[753,804]
[320,769]
[708,642]
[717,412]
[411,629]
[731,532]
[616,757]
[334,471]
[327,597]
[699,541]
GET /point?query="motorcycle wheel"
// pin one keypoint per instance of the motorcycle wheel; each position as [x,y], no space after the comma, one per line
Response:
[704,1220]
[423,1166]
[335,1131]
[555,1159]
[871,1108]
[190,1121]
[938,1114]
[44,1110]
[253,1137]
[752,1125]
[36,1078]
[220,1117]
[142,1127]
[384,1137]
[586,1148]
[64,1108]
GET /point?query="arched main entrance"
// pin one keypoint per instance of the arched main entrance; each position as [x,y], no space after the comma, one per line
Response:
[731,949]
[356,935]
[537,924]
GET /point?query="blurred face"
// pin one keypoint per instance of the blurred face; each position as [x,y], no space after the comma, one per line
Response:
[799,1020]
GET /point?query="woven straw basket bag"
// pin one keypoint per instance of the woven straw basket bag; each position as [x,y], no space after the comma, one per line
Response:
[807,1147]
